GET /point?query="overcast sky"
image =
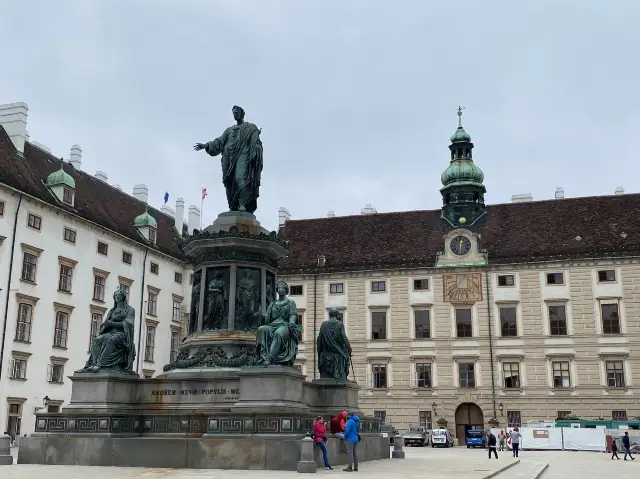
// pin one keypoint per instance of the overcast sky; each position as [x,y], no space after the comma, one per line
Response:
[356,99]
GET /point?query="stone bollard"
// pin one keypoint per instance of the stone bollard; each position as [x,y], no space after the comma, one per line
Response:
[6,459]
[307,462]
[397,453]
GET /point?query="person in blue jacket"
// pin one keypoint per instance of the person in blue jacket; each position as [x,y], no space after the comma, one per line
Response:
[351,439]
[625,442]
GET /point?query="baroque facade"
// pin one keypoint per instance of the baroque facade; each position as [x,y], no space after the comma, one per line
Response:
[513,312]
[68,240]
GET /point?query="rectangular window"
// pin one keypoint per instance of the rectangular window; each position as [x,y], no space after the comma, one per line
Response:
[379,376]
[607,276]
[29,266]
[176,311]
[96,322]
[381,415]
[420,284]
[65,278]
[558,320]
[1,208]
[98,288]
[378,286]
[34,222]
[506,280]
[615,374]
[67,196]
[301,320]
[513,419]
[69,235]
[61,330]
[19,369]
[467,375]
[103,248]
[422,323]
[152,235]
[126,289]
[55,373]
[511,374]
[296,290]
[150,343]
[23,326]
[425,419]
[152,304]
[126,257]
[423,375]
[555,278]
[561,375]
[508,321]
[177,277]
[336,288]
[610,318]
[154,268]
[378,325]
[619,415]
[464,328]
[175,342]
[563,414]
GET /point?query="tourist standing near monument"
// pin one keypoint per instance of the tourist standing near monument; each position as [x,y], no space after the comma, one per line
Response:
[338,425]
[352,438]
[320,437]
[515,441]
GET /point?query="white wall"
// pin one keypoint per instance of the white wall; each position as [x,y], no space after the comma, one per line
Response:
[50,241]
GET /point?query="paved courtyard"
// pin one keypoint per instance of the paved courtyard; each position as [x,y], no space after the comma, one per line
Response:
[460,463]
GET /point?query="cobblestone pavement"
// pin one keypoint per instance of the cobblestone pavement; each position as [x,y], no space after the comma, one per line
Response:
[458,462]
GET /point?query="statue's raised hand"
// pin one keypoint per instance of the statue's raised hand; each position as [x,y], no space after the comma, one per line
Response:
[199,146]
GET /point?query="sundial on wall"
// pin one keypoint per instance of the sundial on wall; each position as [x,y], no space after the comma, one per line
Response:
[462,287]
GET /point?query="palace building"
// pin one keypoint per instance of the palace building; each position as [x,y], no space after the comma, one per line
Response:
[476,314]
[68,240]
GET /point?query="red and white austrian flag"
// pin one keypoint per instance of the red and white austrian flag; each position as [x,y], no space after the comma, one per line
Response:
[204,192]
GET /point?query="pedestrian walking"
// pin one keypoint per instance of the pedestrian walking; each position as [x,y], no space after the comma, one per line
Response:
[515,441]
[626,442]
[501,439]
[492,443]
[614,450]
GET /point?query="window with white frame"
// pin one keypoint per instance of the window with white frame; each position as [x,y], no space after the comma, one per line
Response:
[103,248]
[24,322]
[464,326]
[99,283]
[96,322]
[506,280]
[55,373]
[619,415]
[511,375]
[150,343]
[558,320]
[421,284]
[514,419]
[34,221]
[152,303]
[124,287]
[425,420]
[177,277]
[615,374]
[423,375]
[154,268]
[467,375]
[561,374]
[555,278]
[19,367]
[610,317]
[176,311]
[175,344]
[69,235]
[379,376]
[607,276]
[66,273]
[508,321]
[61,330]
[336,288]
[379,325]
[29,267]
[422,323]
[378,286]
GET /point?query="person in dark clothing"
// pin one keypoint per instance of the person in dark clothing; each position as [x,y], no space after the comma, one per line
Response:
[627,446]
[492,442]
[614,450]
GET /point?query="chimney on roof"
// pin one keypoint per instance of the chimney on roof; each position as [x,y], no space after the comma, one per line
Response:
[75,157]
[368,210]
[102,176]
[167,210]
[179,215]
[194,219]
[26,136]
[13,117]
[41,146]
[559,193]
[524,198]
[141,192]
[331,214]
[283,216]
[619,190]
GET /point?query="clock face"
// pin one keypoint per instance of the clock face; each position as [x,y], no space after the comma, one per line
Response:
[460,245]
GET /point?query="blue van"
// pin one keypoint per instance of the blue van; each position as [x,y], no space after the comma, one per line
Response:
[476,438]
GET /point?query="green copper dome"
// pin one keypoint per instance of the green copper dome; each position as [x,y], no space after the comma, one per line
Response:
[145,219]
[462,170]
[460,135]
[61,177]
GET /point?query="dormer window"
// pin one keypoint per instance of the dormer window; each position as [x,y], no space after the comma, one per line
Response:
[67,196]
[62,185]
[147,226]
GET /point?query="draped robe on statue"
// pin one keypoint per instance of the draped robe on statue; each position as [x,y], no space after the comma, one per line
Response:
[277,341]
[334,350]
[241,150]
[114,346]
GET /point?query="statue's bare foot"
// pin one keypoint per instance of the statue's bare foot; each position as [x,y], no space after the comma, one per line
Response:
[94,369]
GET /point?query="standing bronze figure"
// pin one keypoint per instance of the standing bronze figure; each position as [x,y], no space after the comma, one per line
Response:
[241,150]
[334,349]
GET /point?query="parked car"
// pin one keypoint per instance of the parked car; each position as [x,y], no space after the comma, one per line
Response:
[441,438]
[416,436]
[476,438]
[389,431]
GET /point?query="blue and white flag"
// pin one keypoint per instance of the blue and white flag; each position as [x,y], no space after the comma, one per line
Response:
[166,197]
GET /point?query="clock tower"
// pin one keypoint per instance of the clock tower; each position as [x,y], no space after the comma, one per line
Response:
[462,190]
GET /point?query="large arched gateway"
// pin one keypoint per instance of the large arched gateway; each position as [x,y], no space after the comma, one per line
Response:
[468,416]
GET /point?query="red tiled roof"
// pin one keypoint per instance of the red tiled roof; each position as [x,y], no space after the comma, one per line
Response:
[95,200]
[511,233]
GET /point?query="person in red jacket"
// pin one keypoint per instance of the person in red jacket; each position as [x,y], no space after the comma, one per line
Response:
[319,437]
[338,424]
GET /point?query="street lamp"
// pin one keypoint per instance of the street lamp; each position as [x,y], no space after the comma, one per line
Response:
[501,407]
[433,406]
[45,403]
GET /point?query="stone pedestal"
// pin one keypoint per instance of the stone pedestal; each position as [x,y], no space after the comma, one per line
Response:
[307,462]
[332,395]
[273,389]
[398,453]
[6,459]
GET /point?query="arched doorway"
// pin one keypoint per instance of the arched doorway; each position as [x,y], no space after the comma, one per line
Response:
[468,416]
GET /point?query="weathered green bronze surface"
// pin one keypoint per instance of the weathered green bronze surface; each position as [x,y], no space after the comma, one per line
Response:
[114,349]
[241,150]
[334,349]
